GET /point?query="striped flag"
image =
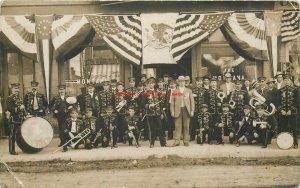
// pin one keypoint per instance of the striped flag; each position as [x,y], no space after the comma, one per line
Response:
[43,25]
[290,25]
[273,26]
[192,28]
[122,33]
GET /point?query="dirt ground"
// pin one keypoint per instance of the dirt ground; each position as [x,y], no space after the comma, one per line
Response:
[169,171]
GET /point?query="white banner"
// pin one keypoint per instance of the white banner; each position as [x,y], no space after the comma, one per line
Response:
[157,33]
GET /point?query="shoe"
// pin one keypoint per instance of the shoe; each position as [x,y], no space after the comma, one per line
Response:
[186,144]
[296,146]
[264,146]
[59,145]
[210,143]
[151,146]
[174,145]
[65,149]
[237,144]
[13,153]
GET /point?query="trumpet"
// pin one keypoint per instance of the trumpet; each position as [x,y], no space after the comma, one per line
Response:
[121,105]
[221,95]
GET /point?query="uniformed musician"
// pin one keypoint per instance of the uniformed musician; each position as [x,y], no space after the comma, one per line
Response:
[106,97]
[244,125]
[18,114]
[91,100]
[73,127]
[35,102]
[161,92]
[225,125]
[200,97]
[206,127]
[94,124]
[134,126]
[120,106]
[59,106]
[108,122]
[132,94]
[153,113]
[287,103]
[170,119]
[214,102]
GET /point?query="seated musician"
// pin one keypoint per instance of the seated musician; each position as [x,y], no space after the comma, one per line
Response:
[225,125]
[92,123]
[133,124]
[263,126]
[245,127]
[205,126]
[74,127]
[108,122]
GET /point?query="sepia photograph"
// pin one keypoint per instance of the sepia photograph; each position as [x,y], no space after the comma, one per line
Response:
[149,94]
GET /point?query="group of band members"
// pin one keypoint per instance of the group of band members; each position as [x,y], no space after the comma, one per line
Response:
[167,109]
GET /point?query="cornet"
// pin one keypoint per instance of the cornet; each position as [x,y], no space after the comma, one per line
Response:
[121,105]
[221,95]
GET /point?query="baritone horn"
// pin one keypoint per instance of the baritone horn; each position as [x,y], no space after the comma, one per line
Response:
[255,101]
[221,96]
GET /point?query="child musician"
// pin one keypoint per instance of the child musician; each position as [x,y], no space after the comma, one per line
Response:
[74,127]
[225,125]
[92,123]
[109,131]
[205,126]
[133,124]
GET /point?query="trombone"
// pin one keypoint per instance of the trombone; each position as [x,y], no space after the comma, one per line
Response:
[80,137]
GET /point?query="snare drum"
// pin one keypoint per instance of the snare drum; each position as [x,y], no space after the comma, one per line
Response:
[285,140]
[34,134]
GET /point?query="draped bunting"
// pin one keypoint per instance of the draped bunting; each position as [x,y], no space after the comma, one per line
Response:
[273,24]
[193,28]
[290,25]
[44,47]
[245,33]
[122,33]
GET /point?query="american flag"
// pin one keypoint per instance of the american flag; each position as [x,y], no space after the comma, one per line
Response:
[290,25]
[122,33]
[192,28]
[43,27]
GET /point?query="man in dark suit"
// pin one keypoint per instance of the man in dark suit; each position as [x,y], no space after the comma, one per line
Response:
[182,109]
[35,102]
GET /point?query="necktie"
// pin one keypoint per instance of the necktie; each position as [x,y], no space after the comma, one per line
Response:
[35,103]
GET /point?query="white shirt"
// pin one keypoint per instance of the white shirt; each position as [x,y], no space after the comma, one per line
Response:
[279,85]
[74,126]
[228,88]
[91,94]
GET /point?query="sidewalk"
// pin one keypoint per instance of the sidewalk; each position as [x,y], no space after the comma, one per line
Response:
[143,152]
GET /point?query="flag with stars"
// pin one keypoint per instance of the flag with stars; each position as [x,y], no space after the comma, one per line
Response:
[193,28]
[43,26]
[122,33]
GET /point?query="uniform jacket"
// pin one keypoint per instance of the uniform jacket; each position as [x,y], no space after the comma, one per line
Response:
[29,100]
[79,125]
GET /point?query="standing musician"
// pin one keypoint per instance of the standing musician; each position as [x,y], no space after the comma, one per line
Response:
[166,80]
[94,124]
[143,78]
[287,99]
[279,80]
[106,97]
[228,86]
[35,102]
[205,126]
[225,125]
[74,127]
[120,106]
[238,98]
[113,86]
[200,97]
[262,90]
[91,100]
[170,119]
[59,106]
[214,102]
[153,113]
[244,124]
[263,126]
[108,122]
[132,94]
[206,82]
[134,126]
[18,114]
[161,92]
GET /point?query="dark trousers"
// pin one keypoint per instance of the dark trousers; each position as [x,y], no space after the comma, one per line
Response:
[129,134]
[170,124]
[155,130]
[12,136]
[61,119]
[288,124]
[121,127]
[110,136]
[193,126]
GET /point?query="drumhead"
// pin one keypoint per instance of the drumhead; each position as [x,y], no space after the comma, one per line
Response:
[37,132]
[285,140]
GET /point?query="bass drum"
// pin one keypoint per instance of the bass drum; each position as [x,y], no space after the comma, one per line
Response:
[285,140]
[34,134]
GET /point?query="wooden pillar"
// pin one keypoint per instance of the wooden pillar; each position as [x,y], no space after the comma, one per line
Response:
[267,69]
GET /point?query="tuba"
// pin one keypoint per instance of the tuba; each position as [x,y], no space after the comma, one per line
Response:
[221,95]
[256,101]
